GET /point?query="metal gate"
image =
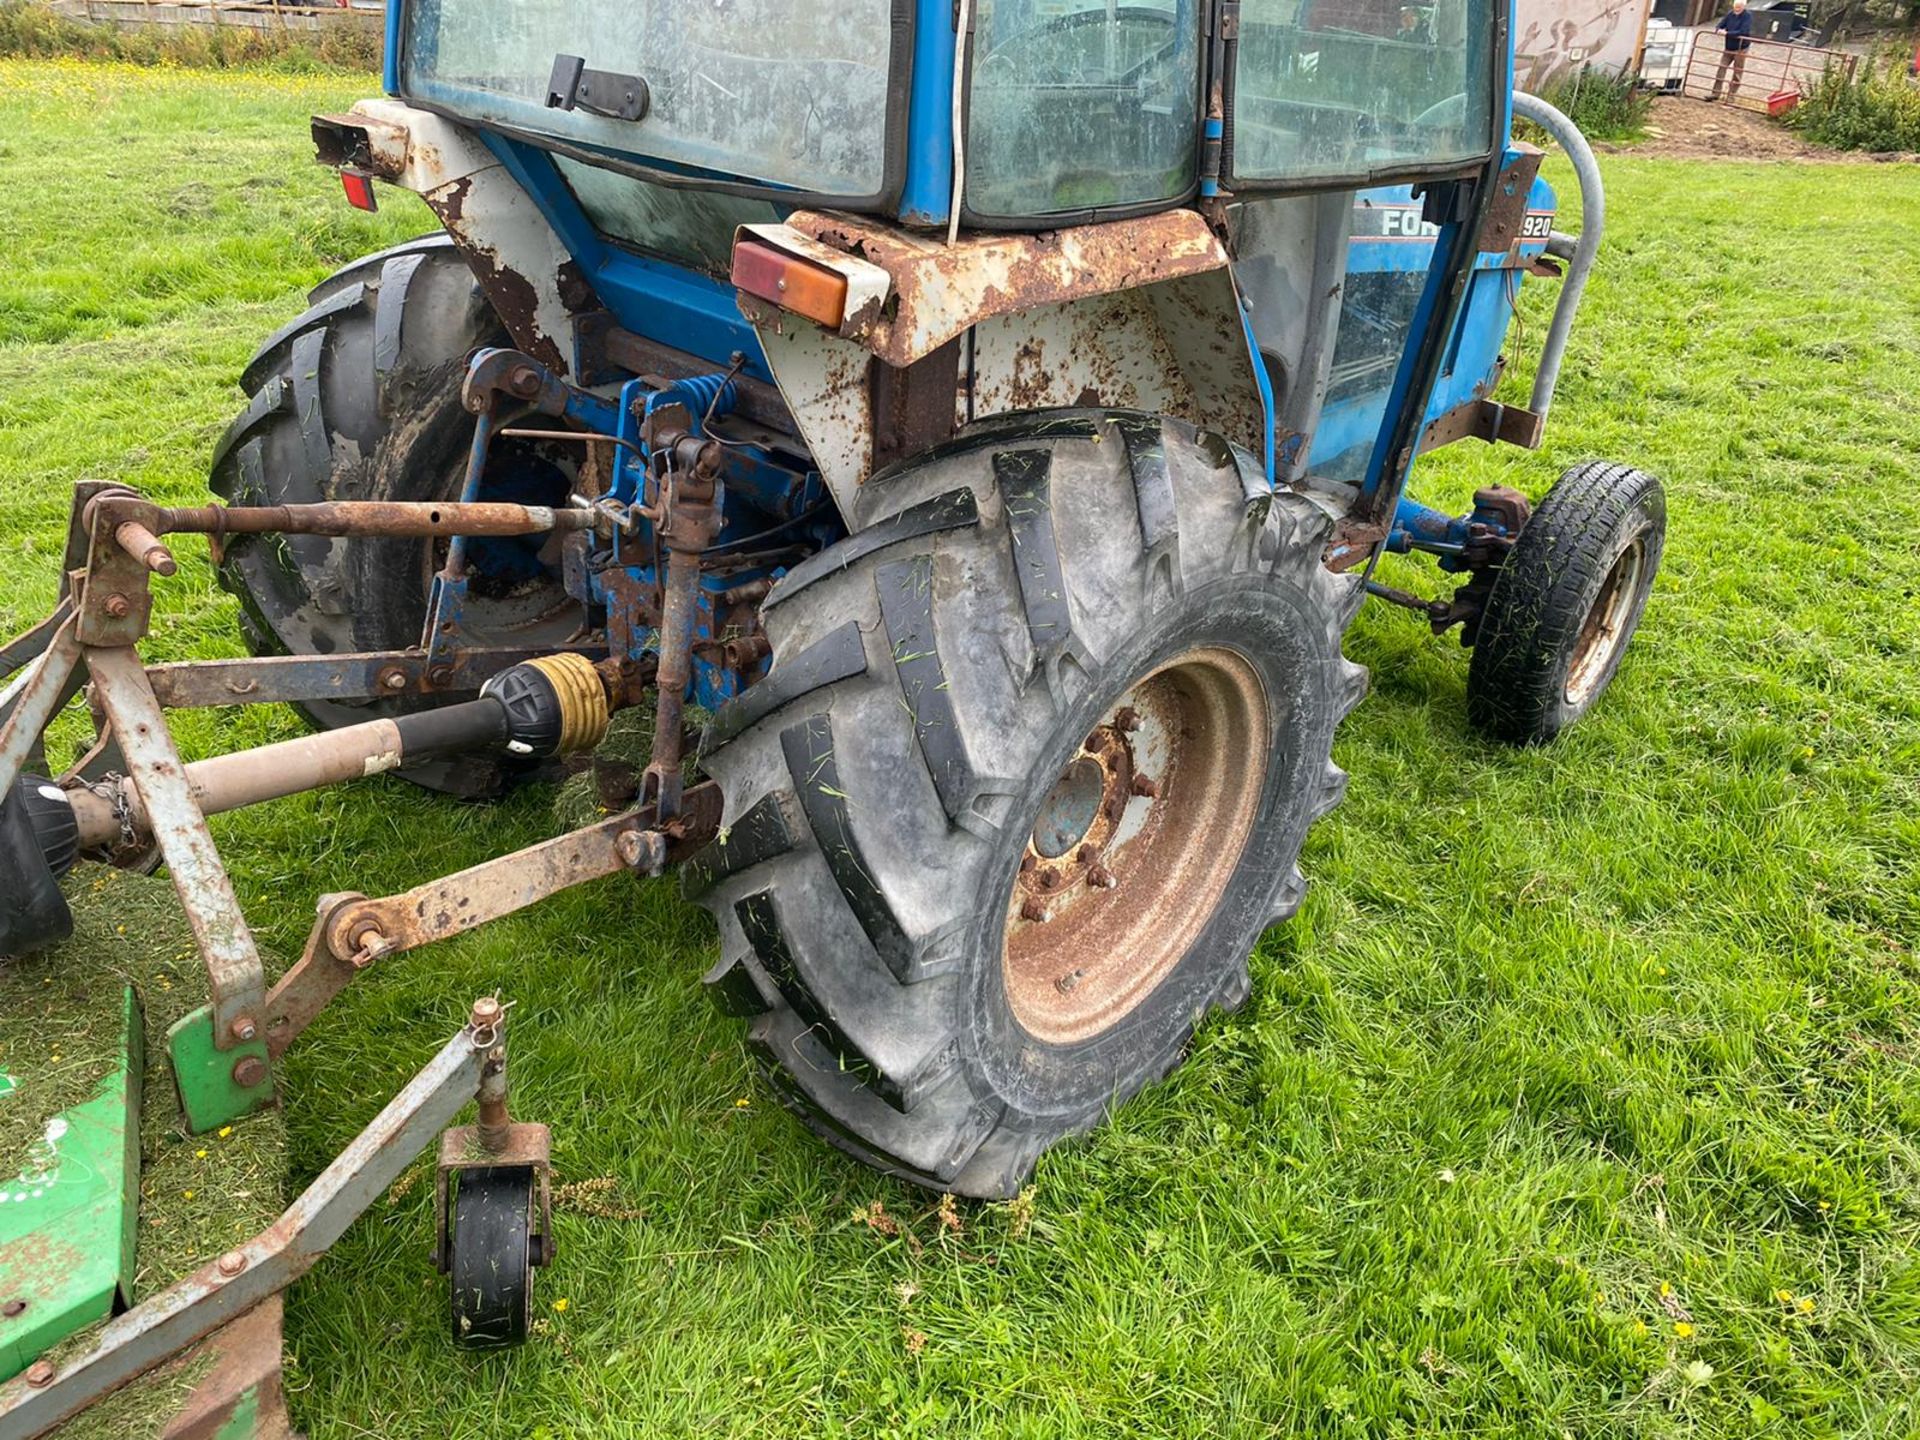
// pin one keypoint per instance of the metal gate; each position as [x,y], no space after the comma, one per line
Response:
[1772,79]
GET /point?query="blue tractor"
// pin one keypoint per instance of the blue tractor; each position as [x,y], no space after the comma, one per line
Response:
[969,425]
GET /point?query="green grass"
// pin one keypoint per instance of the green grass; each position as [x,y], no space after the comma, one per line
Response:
[1567,1049]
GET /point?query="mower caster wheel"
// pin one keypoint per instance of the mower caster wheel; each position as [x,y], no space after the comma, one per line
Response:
[492,1256]
[1565,603]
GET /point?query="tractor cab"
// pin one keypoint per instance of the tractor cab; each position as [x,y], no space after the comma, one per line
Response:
[1065,109]
[1291,131]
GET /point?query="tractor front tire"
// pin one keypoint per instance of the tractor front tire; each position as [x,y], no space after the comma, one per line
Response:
[1028,778]
[359,399]
[1565,602]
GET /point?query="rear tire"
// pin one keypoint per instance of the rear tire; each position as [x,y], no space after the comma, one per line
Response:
[1566,602]
[939,678]
[359,399]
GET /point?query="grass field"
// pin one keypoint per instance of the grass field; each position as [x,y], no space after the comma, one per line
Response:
[1580,1099]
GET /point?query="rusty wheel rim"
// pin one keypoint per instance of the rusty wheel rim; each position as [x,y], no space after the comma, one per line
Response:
[1606,625]
[1134,845]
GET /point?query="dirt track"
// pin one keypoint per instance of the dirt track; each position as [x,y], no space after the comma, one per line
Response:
[1697,130]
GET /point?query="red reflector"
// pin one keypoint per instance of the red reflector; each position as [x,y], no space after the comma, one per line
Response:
[359,187]
[793,284]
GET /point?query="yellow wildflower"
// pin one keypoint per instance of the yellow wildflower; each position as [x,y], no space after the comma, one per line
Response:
[1805,1307]
[560,1305]
[1785,1297]
[1682,1329]
[225,1130]
[199,1154]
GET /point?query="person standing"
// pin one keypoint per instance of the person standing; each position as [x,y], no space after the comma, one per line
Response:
[1739,27]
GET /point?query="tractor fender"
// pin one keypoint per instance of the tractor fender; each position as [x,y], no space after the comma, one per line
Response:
[1141,314]
[529,275]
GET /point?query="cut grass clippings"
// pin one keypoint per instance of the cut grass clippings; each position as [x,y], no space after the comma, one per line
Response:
[1580,1098]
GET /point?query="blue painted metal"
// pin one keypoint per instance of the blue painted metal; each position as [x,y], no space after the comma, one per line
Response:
[1383,467]
[761,499]
[664,302]
[1421,527]
[390,51]
[1070,807]
[1264,383]
[927,196]
[1214,130]
[1400,393]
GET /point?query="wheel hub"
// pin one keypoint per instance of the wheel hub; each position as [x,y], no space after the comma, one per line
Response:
[1134,845]
[1606,624]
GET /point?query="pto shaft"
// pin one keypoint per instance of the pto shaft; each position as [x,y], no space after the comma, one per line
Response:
[544,707]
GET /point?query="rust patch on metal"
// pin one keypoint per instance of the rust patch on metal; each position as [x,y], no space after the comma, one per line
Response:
[575,291]
[351,932]
[914,409]
[246,1357]
[939,290]
[1352,541]
[512,294]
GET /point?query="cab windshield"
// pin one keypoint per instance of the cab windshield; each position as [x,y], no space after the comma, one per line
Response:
[792,95]
[1360,88]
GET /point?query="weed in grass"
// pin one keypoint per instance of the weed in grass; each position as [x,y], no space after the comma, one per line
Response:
[1603,104]
[1877,108]
[1563,1040]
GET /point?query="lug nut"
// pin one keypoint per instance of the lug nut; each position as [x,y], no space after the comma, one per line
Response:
[118,606]
[1027,862]
[1142,785]
[1050,880]
[1102,878]
[40,1374]
[12,1308]
[1089,854]
[1033,910]
[1067,981]
[232,1263]
[1092,742]
[393,678]
[243,1028]
[249,1071]
[1128,720]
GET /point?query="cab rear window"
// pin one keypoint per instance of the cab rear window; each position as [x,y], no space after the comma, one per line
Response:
[792,95]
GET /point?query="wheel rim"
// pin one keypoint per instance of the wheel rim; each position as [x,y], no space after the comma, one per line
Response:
[1134,845]
[1605,629]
